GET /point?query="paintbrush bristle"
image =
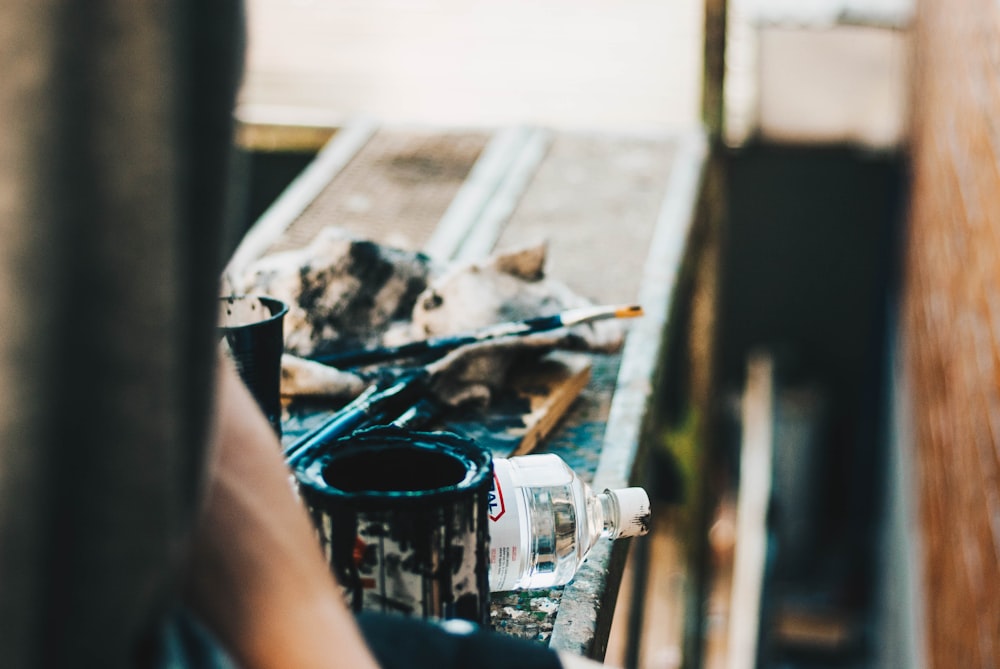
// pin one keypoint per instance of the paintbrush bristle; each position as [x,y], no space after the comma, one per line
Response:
[630,311]
[599,313]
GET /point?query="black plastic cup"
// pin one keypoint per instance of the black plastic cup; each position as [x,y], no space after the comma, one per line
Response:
[403,519]
[252,328]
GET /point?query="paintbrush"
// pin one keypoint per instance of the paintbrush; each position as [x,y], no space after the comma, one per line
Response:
[374,403]
[443,344]
[419,414]
[407,397]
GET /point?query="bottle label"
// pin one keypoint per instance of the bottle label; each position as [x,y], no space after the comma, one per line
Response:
[506,553]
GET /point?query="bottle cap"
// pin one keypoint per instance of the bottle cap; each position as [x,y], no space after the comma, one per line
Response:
[633,511]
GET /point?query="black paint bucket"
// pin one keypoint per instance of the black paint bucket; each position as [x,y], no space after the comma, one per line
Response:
[403,519]
[252,329]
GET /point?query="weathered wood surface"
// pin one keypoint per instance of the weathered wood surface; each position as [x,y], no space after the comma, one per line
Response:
[633,389]
[616,212]
[535,398]
[950,336]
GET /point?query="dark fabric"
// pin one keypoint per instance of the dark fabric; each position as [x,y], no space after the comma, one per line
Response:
[114,142]
[183,643]
[399,642]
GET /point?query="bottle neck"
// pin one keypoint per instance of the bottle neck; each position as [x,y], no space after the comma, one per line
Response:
[609,514]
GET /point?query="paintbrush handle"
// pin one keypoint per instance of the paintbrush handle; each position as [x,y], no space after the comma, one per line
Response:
[420,414]
[441,345]
[367,356]
[373,402]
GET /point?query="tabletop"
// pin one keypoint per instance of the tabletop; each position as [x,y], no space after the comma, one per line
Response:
[616,212]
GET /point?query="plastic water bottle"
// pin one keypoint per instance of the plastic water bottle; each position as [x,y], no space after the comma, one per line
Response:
[544,519]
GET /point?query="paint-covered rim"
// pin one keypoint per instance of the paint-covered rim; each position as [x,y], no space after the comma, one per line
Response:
[275,307]
[378,446]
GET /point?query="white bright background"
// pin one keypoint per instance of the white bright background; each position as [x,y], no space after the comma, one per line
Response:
[587,64]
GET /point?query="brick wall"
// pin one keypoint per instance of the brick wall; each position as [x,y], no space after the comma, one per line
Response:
[951,324]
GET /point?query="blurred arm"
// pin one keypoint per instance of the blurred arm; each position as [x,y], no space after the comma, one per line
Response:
[257,576]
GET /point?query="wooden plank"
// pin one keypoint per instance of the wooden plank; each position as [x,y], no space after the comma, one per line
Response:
[753,498]
[536,396]
[551,388]
[276,138]
[584,618]
[486,229]
[300,193]
[395,189]
[644,346]
[491,175]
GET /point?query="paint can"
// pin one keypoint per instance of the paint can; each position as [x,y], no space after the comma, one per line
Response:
[252,333]
[403,519]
